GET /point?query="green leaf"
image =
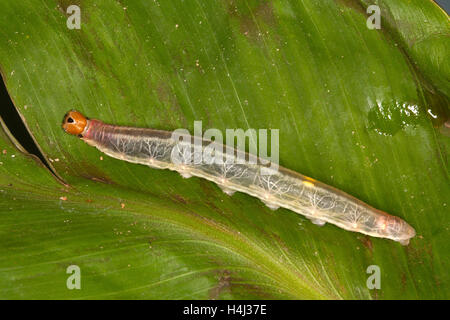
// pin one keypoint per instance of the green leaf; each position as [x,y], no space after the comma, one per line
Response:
[352,104]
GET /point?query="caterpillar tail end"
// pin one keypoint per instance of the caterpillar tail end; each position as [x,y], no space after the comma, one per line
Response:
[409,233]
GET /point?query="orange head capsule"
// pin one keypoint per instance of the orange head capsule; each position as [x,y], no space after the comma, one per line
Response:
[74,123]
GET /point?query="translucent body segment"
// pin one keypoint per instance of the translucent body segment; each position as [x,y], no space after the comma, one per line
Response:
[281,188]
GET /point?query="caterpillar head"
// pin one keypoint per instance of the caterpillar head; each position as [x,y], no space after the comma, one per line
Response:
[74,123]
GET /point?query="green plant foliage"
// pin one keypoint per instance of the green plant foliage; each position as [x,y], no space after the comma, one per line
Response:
[352,104]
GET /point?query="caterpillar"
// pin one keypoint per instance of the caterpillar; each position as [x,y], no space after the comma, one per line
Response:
[285,188]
